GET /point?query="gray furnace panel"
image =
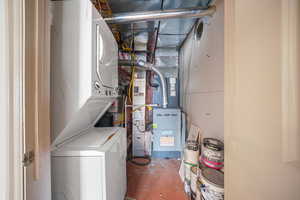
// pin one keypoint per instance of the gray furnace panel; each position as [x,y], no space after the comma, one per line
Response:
[167,133]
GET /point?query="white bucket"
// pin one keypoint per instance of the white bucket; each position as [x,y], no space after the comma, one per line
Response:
[187,172]
[187,187]
[194,177]
[212,184]
[190,159]
[198,191]
[191,156]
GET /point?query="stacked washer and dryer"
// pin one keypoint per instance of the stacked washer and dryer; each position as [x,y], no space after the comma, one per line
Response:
[88,163]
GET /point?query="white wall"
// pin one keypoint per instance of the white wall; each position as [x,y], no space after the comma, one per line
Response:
[202,76]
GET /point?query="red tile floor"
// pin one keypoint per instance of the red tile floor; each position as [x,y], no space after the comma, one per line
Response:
[157,181]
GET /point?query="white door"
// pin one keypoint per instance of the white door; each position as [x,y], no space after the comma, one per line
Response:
[262,100]
[37,130]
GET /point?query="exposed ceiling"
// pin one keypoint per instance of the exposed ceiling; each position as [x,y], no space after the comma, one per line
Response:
[165,36]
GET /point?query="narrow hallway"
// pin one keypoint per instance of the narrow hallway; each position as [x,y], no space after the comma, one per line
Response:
[157,181]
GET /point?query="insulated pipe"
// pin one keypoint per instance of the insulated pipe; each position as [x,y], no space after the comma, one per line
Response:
[148,66]
[129,17]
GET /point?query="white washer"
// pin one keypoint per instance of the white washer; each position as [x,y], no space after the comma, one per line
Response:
[91,167]
[89,163]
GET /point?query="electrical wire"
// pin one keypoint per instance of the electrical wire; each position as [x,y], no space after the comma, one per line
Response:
[132,57]
[130,94]
[131,85]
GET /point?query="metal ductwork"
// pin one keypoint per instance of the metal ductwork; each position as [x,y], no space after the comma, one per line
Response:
[148,66]
[130,17]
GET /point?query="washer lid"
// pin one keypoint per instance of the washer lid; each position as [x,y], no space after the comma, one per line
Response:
[95,141]
[85,118]
[93,138]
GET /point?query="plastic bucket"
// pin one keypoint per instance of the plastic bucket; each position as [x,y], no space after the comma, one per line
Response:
[194,177]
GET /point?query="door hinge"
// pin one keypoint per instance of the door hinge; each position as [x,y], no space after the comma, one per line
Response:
[28,158]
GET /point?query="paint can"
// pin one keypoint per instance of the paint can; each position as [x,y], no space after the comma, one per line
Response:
[222,170]
[198,191]
[194,177]
[187,172]
[191,156]
[200,166]
[187,187]
[193,195]
[212,184]
[190,159]
[192,145]
[212,153]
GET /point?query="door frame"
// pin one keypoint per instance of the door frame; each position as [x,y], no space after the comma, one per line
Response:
[12,98]
[36,96]
[13,94]
[15,86]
